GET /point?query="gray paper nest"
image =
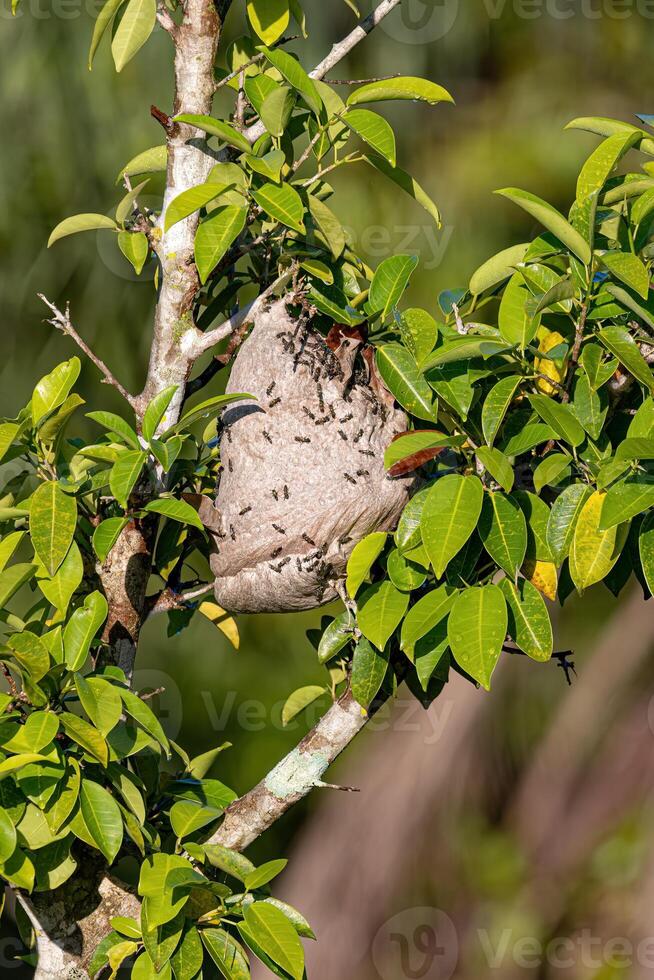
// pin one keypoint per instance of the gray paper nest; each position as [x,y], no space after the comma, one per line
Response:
[302,468]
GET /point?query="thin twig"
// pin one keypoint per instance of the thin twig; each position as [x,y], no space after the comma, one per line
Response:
[61,321]
[337,53]
[361,81]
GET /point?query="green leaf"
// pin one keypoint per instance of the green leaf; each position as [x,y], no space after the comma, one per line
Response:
[53,389]
[186,817]
[81,222]
[629,269]
[53,518]
[417,444]
[381,609]
[125,207]
[16,762]
[602,161]
[560,417]
[101,701]
[59,589]
[299,700]
[563,519]
[629,302]
[124,474]
[277,109]
[38,731]
[7,836]
[175,510]
[88,737]
[624,501]
[106,534]
[264,873]
[405,181]
[225,859]
[590,406]
[537,514]
[449,516]
[139,710]
[635,448]
[419,332]
[621,344]
[328,224]
[646,549]
[424,615]
[186,961]
[276,936]
[403,87]
[527,437]
[517,318]
[335,637]
[496,269]
[368,671]
[150,161]
[403,573]
[134,246]
[364,555]
[18,869]
[550,470]
[594,552]
[282,203]
[215,235]
[496,406]
[136,26]
[296,77]
[8,545]
[82,627]
[503,531]
[269,165]
[497,465]
[374,129]
[118,425]
[529,623]
[190,201]
[209,408]
[102,22]
[476,630]
[102,817]
[405,381]
[12,579]
[226,953]
[551,219]
[389,282]
[31,653]
[269,18]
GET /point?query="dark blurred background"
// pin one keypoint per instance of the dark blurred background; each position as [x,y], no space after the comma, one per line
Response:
[494,836]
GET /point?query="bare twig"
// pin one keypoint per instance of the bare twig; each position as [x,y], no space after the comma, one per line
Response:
[169,599]
[61,321]
[361,81]
[166,21]
[338,52]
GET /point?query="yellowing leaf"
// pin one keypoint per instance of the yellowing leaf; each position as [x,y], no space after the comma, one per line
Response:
[549,339]
[269,18]
[220,618]
[53,515]
[594,553]
[541,574]
[133,31]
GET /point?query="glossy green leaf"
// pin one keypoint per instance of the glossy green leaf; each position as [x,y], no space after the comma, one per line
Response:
[186,817]
[81,222]
[449,516]
[403,573]
[106,534]
[389,282]
[590,406]
[328,224]
[405,181]
[53,389]
[103,20]
[59,589]
[31,653]
[335,637]
[517,319]
[227,954]
[276,936]
[134,246]
[497,465]
[621,344]
[190,201]
[427,612]
[215,235]
[503,531]
[629,269]
[53,517]
[624,501]
[563,519]
[529,623]
[646,549]
[368,671]
[114,423]
[419,332]
[299,700]
[141,713]
[403,87]
[374,129]
[102,817]
[82,627]
[12,579]
[405,381]
[207,409]
[100,700]
[124,474]
[175,510]
[496,269]
[38,731]
[296,77]
[551,219]
[282,203]
[186,961]
[560,417]
[602,161]
[381,608]
[86,736]
[149,161]
[277,109]
[363,556]
[135,27]
[8,545]
[476,631]
[496,406]
[264,873]
[224,131]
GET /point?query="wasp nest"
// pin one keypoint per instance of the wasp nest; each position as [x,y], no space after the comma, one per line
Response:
[302,467]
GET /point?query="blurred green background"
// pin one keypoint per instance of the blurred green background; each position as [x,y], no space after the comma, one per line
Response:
[531,809]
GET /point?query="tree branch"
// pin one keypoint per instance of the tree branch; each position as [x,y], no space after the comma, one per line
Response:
[61,321]
[337,53]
